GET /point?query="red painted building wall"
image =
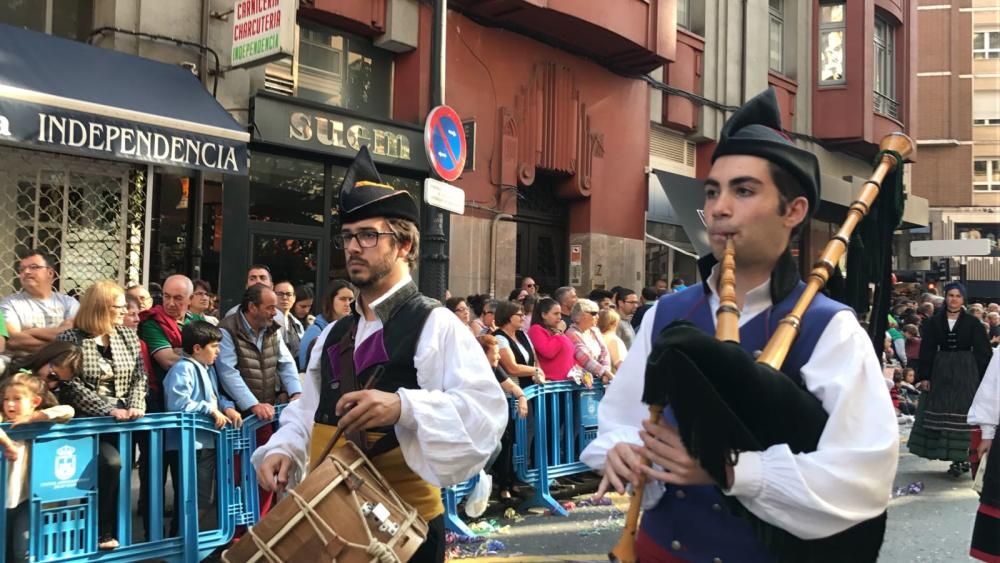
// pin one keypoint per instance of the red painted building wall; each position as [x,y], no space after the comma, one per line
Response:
[583,127]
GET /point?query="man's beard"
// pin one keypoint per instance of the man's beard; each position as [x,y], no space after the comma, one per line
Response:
[377,270]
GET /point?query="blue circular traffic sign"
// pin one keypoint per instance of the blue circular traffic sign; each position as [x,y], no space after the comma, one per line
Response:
[444,140]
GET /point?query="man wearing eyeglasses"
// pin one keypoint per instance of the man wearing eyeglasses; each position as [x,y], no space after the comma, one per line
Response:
[291,328]
[401,367]
[35,315]
[626,301]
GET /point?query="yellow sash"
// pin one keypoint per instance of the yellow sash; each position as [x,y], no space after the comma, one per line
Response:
[423,496]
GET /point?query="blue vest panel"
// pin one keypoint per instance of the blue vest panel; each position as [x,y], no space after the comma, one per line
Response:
[696,519]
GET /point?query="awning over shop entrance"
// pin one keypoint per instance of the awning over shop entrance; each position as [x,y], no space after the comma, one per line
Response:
[67,96]
[679,202]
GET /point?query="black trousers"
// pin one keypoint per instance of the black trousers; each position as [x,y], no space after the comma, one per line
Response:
[109,464]
[432,550]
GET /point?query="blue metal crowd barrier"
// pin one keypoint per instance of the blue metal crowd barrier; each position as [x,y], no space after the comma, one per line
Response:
[63,494]
[562,420]
[452,496]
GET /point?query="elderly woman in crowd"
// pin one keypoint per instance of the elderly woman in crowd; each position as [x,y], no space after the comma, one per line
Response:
[201,301]
[112,382]
[591,354]
[336,306]
[607,323]
[553,348]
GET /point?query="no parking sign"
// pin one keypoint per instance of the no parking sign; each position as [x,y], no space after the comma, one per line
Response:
[444,139]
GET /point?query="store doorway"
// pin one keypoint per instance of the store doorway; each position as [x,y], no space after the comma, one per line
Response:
[292,254]
[542,238]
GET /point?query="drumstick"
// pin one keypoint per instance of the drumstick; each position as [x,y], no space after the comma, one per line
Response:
[376,375]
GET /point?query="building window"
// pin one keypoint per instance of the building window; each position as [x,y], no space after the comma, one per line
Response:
[335,69]
[987,121]
[986,45]
[832,28]
[986,175]
[776,29]
[72,19]
[684,13]
[885,69]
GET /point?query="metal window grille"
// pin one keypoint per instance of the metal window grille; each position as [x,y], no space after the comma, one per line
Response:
[88,215]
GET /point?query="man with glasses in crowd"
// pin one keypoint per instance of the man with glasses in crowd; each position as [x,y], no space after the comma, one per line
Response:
[433,399]
[627,302]
[141,295]
[35,315]
[291,328]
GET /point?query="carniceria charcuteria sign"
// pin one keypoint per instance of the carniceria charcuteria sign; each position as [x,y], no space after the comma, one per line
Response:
[263,31]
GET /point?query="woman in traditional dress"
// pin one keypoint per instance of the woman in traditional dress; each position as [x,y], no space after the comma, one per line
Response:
[953,356]
[985,413]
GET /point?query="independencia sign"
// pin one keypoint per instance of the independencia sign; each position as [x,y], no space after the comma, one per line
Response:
[102,136]
[329,131]
[263,30]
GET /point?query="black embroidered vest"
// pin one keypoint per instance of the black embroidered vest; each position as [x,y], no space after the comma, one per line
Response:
[403,316]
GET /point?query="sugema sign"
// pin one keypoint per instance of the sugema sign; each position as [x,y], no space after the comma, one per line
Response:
[263,30]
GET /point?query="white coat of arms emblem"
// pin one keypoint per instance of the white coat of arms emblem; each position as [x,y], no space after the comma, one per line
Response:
[65,463]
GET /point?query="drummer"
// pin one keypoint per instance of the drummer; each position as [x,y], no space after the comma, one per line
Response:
[760,191]
[435,413]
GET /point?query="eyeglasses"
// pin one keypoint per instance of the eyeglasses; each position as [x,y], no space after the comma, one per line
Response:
[530,285]
[285,293]
[366,239]
[488,312]
[31,268]
[518,315]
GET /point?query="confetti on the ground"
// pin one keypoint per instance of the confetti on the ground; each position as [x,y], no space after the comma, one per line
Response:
[481,547]
[914,488]
[613,522]
[603,501]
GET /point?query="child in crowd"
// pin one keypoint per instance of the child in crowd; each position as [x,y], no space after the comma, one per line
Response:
[191,385]
[905,403]
[23,396]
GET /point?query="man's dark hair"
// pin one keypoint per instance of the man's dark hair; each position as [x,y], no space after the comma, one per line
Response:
[649,293]
[37,252]
[597,294]
[253,294]
[202,285]
[788,189]
[505,311]
[622,294]
[561,292]
[259,267]
[201,333]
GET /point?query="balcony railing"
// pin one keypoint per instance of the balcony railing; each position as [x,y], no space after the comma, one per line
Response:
[886,106]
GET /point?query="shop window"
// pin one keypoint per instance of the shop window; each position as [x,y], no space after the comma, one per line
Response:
[72,19]
[286,190]
[986,175]
[335,69]
[776,30]
[986,45]
[885,69]
[832,30]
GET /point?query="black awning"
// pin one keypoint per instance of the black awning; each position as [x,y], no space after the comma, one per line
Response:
[68,96]
[681,203]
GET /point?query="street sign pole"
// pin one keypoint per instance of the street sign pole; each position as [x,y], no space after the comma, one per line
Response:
[434,231]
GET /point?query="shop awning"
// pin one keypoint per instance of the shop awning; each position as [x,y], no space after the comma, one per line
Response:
[67,96]
[679,201]
[677,247]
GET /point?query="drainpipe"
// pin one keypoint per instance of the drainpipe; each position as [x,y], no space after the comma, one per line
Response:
[434,266]
[743,53]
[494,228]
[197,203]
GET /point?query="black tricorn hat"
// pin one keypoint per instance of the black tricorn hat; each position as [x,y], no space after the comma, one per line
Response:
[364,195]
[755,130]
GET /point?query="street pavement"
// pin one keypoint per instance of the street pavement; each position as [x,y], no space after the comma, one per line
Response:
[933,526]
